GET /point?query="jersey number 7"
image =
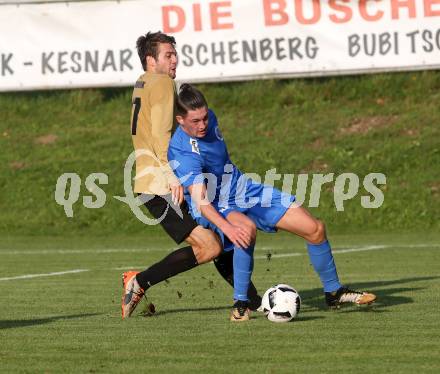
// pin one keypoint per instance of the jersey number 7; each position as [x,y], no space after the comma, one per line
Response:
[137,107]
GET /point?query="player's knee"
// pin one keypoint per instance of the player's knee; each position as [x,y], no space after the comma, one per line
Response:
[205,244]
[213,247]
[317,235]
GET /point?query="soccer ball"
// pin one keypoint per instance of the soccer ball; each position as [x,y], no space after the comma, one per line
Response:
[281,303]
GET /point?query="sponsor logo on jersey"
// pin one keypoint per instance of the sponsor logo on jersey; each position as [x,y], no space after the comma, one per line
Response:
[194,146]
[218,134]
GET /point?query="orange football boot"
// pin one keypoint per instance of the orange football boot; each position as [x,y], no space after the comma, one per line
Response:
[132,293]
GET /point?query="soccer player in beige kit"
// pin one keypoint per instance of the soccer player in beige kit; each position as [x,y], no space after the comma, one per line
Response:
[152,124]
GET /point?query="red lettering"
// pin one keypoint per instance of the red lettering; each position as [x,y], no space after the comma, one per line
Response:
[216,14]
[397,4]
[197,17]
[346,10]
[365,15]
[429,12]
[274,12]
[300,12]
[179,12]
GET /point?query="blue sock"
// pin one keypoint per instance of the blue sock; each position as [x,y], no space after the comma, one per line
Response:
[323,263]
[243,266]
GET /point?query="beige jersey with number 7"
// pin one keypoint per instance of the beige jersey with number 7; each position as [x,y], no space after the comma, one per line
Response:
[152,124]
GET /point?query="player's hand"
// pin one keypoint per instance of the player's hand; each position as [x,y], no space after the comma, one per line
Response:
[177,194]
[239,236]
[247,232]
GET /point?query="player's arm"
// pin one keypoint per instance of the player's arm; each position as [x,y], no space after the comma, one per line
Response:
[189,168]
[239,236]
[162,120]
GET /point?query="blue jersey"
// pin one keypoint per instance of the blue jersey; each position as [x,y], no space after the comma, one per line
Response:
[206,160]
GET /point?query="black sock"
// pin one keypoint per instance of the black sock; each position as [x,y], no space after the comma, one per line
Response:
[177,262]
[224,265]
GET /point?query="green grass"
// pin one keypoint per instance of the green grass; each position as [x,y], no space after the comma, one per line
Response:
[71,323]
[386,123]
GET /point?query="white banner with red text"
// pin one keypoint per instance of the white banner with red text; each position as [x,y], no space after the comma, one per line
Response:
[92,44]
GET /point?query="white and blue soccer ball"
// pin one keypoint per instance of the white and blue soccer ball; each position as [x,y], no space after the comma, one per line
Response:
[281,303]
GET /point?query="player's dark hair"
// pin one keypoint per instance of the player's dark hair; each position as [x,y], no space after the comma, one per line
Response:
[148,45]
[190,98]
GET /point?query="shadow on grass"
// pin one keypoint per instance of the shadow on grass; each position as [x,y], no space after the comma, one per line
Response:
[14,323]
[386,297]
[185,310]
[301,318]
[313,300]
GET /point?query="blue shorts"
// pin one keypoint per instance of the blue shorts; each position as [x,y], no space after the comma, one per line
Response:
[264,205]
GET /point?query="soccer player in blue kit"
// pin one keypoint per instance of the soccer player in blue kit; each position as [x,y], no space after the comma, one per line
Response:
[234,206]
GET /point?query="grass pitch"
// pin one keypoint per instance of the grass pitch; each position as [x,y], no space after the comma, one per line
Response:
[71,322]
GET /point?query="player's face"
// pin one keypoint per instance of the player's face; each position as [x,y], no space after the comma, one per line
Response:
[195,123]
[166,62]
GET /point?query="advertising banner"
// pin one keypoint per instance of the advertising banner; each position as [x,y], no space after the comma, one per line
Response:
[93,43]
